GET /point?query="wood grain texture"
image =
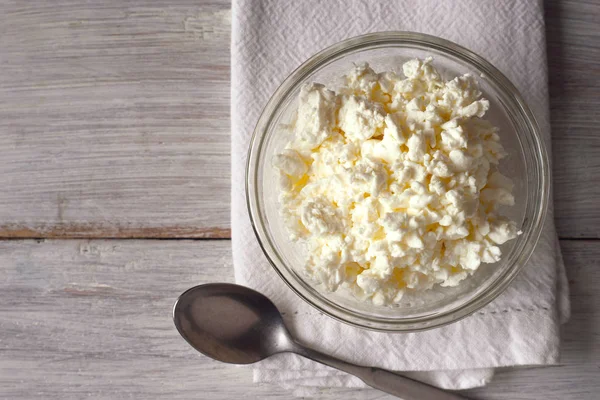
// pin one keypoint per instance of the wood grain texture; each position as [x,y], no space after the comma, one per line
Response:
[114,118]
[92,319]
[573,38]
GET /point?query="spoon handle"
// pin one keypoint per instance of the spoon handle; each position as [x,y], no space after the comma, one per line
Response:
[386,381]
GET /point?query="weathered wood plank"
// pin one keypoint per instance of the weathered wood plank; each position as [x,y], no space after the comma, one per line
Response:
[85,318]
[114,119]
[573,37]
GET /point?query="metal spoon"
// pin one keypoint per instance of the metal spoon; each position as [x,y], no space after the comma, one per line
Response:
[238,325]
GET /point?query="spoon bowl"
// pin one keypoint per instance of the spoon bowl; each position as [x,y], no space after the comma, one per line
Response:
[230,323]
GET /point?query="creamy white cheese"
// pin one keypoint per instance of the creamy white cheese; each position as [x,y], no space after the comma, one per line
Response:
[392,182]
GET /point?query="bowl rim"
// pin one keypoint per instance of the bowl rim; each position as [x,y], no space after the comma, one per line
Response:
[309,294]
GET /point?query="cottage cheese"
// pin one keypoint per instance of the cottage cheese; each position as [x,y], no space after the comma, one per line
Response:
[392,183]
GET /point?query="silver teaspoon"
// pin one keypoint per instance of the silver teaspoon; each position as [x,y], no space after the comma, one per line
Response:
[238,325]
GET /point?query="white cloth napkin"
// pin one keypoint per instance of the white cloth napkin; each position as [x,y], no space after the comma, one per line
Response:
[521,327]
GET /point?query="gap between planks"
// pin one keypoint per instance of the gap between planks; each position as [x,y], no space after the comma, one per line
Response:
[88,231]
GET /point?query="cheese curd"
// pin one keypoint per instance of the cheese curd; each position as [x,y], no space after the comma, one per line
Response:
[393,183]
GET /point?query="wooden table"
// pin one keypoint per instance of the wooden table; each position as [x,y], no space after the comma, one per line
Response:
[114,177]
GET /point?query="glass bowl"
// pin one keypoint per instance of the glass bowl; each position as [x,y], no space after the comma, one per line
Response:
[526,164]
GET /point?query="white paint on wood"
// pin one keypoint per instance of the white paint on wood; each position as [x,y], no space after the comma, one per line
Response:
[92,319]
[114,119]
[573,36]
